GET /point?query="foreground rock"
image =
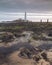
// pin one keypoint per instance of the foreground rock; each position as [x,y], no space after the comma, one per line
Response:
[43,62]
[42,57]
[28,53]
[25,56]
[7,37]
[49,56]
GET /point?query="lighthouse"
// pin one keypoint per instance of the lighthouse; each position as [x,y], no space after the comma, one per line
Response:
[25,16]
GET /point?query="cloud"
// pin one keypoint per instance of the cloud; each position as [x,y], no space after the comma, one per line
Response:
[25,5]
[8,8]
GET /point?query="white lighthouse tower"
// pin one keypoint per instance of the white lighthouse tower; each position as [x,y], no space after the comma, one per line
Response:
[25,17]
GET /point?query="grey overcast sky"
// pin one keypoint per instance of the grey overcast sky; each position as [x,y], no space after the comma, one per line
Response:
[25,5]
[32,6]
